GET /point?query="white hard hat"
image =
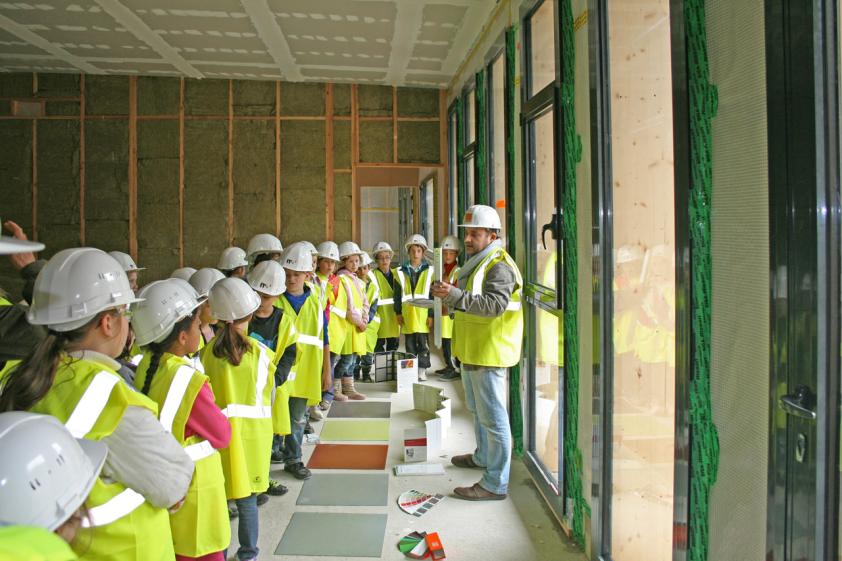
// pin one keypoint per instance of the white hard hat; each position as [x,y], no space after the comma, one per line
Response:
[232,299]
[415,239]
[366,260]
[451,242]
[328,250]
[75,285]
[126,261]
[166,302]
[231,258]
[380,247]
[203,279]
[481,216]
[10,246]
[269,278]
[298,258]
[347,249]
[310,246]
[263,243]
[47,474]
[184,273]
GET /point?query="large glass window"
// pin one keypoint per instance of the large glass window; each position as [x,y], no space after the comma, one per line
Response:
[541,44]
[453,163]
[644,281]
[497,134]
[542,163]
[469,146]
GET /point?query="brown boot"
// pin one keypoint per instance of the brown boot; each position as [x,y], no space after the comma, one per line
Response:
[348,389]
[337,391]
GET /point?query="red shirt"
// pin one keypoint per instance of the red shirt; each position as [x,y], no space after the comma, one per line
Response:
[207,421]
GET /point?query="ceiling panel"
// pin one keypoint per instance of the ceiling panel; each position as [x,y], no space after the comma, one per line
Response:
[412,42]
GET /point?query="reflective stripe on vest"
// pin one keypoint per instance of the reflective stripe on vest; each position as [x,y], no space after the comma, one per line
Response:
[136,359]
[385,302]
[376,319]
[406,283]
[512,306]
[175,394]
[248,411]
[256,411]
[119,506]
[199,451]
[91,405]
[337,311]
[310,340]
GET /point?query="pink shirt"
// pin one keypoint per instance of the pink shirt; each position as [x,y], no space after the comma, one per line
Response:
[207,421]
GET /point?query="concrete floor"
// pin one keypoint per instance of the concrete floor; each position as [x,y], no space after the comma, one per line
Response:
[520,528]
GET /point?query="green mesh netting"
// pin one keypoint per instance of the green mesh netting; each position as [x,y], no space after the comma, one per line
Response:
[481,154]
[572,147]
[704,441]
[515,410]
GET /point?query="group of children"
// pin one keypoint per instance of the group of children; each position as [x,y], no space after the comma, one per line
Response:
[196,384]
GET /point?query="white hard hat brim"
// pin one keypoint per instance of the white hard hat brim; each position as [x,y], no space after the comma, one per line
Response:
[10,246]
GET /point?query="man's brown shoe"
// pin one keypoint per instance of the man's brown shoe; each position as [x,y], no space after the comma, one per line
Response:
[477,493]
[465,461]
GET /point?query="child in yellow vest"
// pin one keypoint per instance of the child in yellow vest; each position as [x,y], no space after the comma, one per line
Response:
[362,370]
[336,302]
[415,277]
[302,303]
[82,296]
[389,303]
[354,323]
[241,372]
[41,526]
[273,327]
[166,324]
[450,247]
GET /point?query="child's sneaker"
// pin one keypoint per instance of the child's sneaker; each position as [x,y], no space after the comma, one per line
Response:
[276,489]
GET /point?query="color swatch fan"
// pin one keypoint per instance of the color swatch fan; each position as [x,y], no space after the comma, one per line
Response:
[417,503]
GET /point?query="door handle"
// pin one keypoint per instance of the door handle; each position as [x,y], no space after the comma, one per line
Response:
[800,404]
[552,227]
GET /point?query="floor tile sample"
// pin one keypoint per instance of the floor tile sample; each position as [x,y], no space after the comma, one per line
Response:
[355,429]
[345,489]
[350,535]
[349,456]
[360,409]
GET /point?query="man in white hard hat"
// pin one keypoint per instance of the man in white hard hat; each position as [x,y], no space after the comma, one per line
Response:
[487,337]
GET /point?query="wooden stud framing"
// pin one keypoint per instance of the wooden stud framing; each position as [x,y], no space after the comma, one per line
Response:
[443,187]
[181,173]
[82,233]
[34,173]
[400,165]
[395,124]
[329,197]
[230,162]
[278,158]
[133,167]
[355,160]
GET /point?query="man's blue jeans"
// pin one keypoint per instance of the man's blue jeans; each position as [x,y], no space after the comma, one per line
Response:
[485,397]
[292,441]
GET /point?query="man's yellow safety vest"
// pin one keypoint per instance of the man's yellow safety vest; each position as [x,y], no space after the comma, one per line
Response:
[483,341]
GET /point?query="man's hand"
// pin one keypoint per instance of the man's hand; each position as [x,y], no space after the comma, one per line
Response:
[400,320]
[19,260]
[440,289]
